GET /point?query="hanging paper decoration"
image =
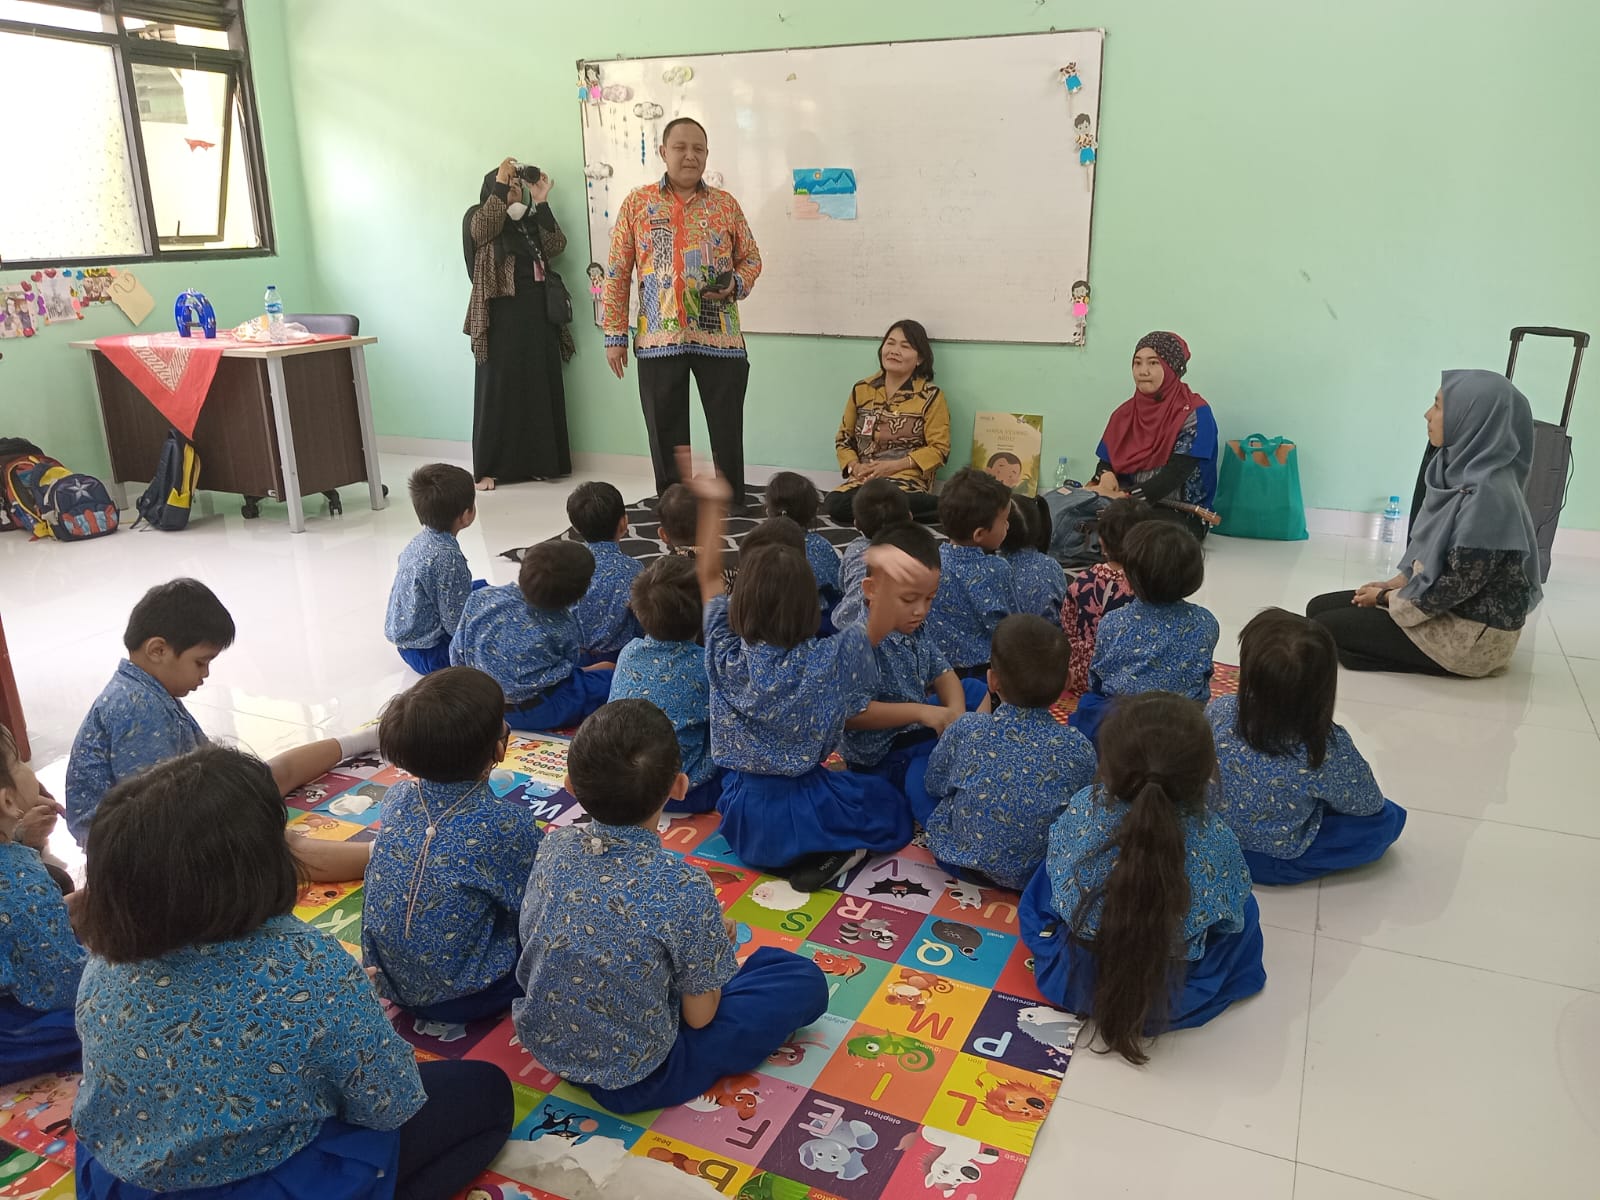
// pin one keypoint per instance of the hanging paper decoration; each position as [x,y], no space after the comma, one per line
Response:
[1070,80]
[1086,146]
[1080,310]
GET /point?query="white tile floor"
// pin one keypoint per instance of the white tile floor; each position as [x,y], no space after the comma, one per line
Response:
[1431,1026]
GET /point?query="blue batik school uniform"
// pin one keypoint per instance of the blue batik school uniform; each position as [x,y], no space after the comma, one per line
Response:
[1294,822]
[672,676]
[265,1059]
[133,724]
[1040,583]
[775,715]
[605,622]
[439,913]
[992,787]
[1221,942]
[852,606]
[975,593]
[616,931]
[431,586]
[1142,647]
[533,654]
[40,964]
[908,666]
[824,560]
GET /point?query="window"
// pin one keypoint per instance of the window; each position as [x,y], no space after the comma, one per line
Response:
[139,140]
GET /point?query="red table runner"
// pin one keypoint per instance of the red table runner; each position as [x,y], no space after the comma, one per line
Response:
[174,372]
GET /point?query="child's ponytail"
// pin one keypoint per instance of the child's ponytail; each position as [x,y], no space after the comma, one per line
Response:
[1156,755]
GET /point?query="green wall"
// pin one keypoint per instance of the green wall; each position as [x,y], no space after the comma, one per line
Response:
[47,390]
[1330,203]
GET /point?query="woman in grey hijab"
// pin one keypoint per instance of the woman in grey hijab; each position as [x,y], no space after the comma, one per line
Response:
[1470,574]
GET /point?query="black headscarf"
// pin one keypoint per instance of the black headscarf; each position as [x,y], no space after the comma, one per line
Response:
[520,238]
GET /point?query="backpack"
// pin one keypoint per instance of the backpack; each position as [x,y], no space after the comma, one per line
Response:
[22,490]
[12,448]
[78,507]
[167,501]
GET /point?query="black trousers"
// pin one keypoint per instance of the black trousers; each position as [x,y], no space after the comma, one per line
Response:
[449,1141]
[664,396]
[838,505]
[1368,639]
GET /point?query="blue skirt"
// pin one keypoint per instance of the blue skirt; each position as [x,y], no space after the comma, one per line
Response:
[343,1162]
[774,820]
[1343,842]
[493,1001]
[702,797]
[33,1042]
[1229,970]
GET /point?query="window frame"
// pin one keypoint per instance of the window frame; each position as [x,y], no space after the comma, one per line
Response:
[127,50]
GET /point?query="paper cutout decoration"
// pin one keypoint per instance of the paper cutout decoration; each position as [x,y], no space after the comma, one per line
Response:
[1070,80]
[18,311]
[616,93]
[824,193]
[1008,446]
[679,75]
[128,294]
[1080,310]
[597,287]
[1086,141]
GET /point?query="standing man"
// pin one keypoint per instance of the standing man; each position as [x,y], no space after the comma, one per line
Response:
[696,259]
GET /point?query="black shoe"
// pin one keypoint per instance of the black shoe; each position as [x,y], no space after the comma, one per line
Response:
[816,871]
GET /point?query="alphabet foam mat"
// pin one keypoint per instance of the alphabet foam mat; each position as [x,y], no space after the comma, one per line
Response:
[927,1079]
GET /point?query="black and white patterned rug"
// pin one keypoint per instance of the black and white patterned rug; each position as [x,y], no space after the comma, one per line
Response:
[644,542]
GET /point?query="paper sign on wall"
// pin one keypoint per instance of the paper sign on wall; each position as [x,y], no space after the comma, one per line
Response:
[824,193]
[128,294]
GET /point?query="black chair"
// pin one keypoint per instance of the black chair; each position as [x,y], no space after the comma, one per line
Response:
[326,322]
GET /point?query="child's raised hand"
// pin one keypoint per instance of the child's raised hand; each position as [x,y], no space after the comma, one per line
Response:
[899,567]
[701,479]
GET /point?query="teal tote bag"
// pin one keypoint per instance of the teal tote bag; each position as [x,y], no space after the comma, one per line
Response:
[1258,491]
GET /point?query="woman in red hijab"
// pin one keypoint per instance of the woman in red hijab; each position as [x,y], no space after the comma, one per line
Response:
[1161,443]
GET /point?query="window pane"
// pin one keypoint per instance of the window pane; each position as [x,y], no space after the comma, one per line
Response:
[50,14]
[69,185]
[178,35]
[195,156]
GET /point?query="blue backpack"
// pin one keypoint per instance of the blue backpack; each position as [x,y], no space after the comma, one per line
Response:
[166,503]
[76,508]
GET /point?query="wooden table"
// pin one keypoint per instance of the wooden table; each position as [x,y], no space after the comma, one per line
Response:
[280,421]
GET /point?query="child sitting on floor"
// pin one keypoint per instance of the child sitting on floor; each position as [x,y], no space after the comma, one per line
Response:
[901,722]
[225,1042]
[1160,642]
[1141,916]
[40,959]
[779,699]
[679,514]
[444,888]
[794,496]
[628,964]
[877,504]
[1040,582]
[1101,588]
[525,635]
[996,781]
[605,623]
[975,587]
[1295,790]
[172,635]
[432,582]
[667,667]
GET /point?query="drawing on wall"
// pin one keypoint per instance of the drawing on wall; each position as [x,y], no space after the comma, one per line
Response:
[60,297]
[824,193]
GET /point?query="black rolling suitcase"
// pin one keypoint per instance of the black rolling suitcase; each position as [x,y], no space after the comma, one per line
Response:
[1546,488]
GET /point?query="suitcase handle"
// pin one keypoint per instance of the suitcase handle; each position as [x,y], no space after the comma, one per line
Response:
[1580,342]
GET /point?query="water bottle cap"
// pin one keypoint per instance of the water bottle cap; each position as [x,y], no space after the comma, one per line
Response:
[1394,499]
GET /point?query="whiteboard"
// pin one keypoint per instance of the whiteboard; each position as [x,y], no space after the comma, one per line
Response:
[971,208]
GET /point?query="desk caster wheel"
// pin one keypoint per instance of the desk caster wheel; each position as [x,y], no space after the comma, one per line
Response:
[386,491]
[252,508]
[335,504]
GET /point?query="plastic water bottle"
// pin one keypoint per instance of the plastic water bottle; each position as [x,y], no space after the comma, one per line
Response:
[1061,471]
[1391,521]
[276,331]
